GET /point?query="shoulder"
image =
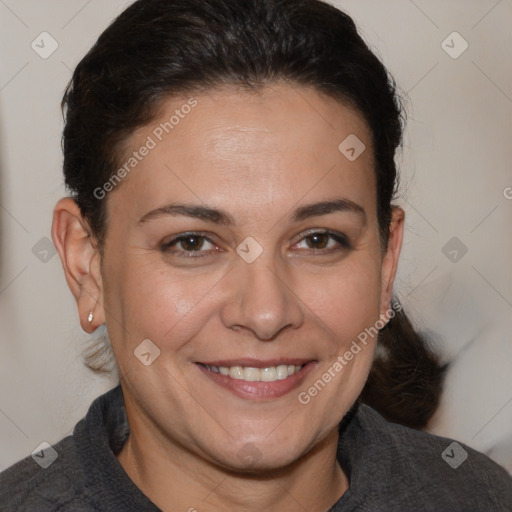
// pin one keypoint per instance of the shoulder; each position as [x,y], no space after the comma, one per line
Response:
[49,479]
[80,473]
[431,470]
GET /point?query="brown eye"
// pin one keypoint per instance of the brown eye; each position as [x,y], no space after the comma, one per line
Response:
[324,241]
[189,244]
[317,240]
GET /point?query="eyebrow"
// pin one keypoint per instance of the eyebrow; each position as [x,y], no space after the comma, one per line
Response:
[221,217]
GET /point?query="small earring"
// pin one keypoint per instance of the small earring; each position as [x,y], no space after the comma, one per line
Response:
[90,317]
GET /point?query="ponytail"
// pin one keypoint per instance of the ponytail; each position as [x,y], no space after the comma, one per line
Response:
[406,379]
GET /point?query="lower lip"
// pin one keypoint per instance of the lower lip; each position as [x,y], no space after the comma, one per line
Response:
[259,390]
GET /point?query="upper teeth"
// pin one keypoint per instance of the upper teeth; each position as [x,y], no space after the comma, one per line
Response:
[268,374]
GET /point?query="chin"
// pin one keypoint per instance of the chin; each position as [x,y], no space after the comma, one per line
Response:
[252,461]
[260,457]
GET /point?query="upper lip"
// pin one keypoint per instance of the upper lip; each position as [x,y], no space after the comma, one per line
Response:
[257,363]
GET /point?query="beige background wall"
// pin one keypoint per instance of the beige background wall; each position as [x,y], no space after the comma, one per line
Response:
[457,182]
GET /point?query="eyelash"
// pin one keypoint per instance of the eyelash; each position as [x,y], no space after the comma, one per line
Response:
[339,238]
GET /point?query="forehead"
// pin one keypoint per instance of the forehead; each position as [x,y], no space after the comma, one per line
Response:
[280,144]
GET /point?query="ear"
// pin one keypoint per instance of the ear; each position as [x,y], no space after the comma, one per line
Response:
[81,261]
[390,259]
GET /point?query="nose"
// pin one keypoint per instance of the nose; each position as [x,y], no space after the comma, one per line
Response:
[261,301]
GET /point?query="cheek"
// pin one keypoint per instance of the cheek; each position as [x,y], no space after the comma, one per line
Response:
[151,301]
[347,304]
[346,300]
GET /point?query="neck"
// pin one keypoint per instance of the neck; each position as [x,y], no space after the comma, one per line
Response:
[174,478]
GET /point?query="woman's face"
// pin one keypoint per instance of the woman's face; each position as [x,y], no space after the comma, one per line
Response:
[245,238]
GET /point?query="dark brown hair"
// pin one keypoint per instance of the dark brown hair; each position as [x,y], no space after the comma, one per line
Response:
[159,48]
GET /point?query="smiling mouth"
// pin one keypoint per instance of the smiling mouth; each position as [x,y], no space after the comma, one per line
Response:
[255,379]
[252,374]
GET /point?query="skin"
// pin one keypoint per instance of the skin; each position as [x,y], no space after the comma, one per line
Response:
[259,157]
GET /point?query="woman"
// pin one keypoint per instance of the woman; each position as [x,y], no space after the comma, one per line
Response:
[231,173]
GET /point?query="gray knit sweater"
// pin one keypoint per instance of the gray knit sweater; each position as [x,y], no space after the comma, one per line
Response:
[390,467]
